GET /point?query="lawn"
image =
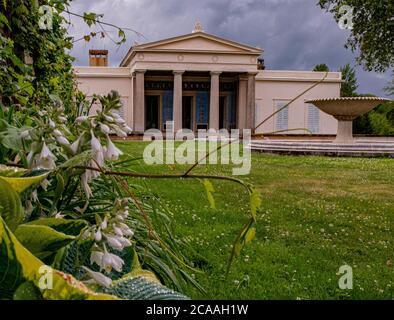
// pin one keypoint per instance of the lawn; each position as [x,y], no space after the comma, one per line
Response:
[317,215]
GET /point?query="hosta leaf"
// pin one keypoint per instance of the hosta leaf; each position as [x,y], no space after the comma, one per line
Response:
[20,184]
[27,291]
[7,171]
[69,227]
[42,240]
[10,205]
[140,288]
[18,265]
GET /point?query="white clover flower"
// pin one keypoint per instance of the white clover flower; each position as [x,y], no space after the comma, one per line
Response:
[112,153]
[104,129]
[98,278]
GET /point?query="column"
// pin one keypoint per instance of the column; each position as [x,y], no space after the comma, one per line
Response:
[242,102]
[139,106]
[177,110]
[214,101]
[251,102]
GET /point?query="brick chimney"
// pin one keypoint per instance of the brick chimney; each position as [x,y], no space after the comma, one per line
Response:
[98,58]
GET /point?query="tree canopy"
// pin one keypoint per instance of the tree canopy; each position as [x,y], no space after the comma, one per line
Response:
[372,34]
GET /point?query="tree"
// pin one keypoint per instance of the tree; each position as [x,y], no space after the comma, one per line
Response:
[372,33]
[349,86]
[321,68]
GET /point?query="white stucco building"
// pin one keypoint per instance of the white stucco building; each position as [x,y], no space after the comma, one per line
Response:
[201,81]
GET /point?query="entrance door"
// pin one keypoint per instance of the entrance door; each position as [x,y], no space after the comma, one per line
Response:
[187,113]
[222,113]
[152,112]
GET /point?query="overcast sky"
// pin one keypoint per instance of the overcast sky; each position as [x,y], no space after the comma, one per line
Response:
[295,34]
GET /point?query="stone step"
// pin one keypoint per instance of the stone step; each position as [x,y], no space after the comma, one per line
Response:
[328,149]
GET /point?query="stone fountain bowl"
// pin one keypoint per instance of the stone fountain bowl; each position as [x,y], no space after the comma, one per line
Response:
[347,108]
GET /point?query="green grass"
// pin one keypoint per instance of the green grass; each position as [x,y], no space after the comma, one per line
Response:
[317,215]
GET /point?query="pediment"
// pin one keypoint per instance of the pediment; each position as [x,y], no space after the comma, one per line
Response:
[198,42]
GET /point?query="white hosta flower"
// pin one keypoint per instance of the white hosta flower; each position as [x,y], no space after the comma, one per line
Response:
[75,146]
[115,242]
[63,119]
[63,141]
[81,119]
[108,118]
[86,234]
[85,179]
[34,196]
[97,258]
[95,144]
[118,231]
[46,159]
[99,278]
[112,153]
[59,215]
[98,236]
[127,129]
[57,133]
[104,224]
[125,229]
[25,134]
[44,184]
[125,242]
[120,121]
[115,115]
[112,261]
[104,129]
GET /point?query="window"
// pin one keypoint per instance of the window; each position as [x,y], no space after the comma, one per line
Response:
[313,119]
[282,118]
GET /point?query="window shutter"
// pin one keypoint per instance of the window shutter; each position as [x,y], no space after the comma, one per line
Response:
[282,118]
[313,119]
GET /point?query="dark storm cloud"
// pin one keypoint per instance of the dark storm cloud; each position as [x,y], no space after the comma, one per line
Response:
[295,34]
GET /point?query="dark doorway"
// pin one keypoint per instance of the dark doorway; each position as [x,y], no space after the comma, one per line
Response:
[152,112]
[222,113]
[187,113]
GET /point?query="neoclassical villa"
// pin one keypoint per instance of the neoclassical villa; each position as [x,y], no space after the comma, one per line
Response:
[201,81]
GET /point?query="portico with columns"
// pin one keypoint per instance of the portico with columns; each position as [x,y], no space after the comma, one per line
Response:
[198,81]
[201,81]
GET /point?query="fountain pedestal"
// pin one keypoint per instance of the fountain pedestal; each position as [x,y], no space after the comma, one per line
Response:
[345,130]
